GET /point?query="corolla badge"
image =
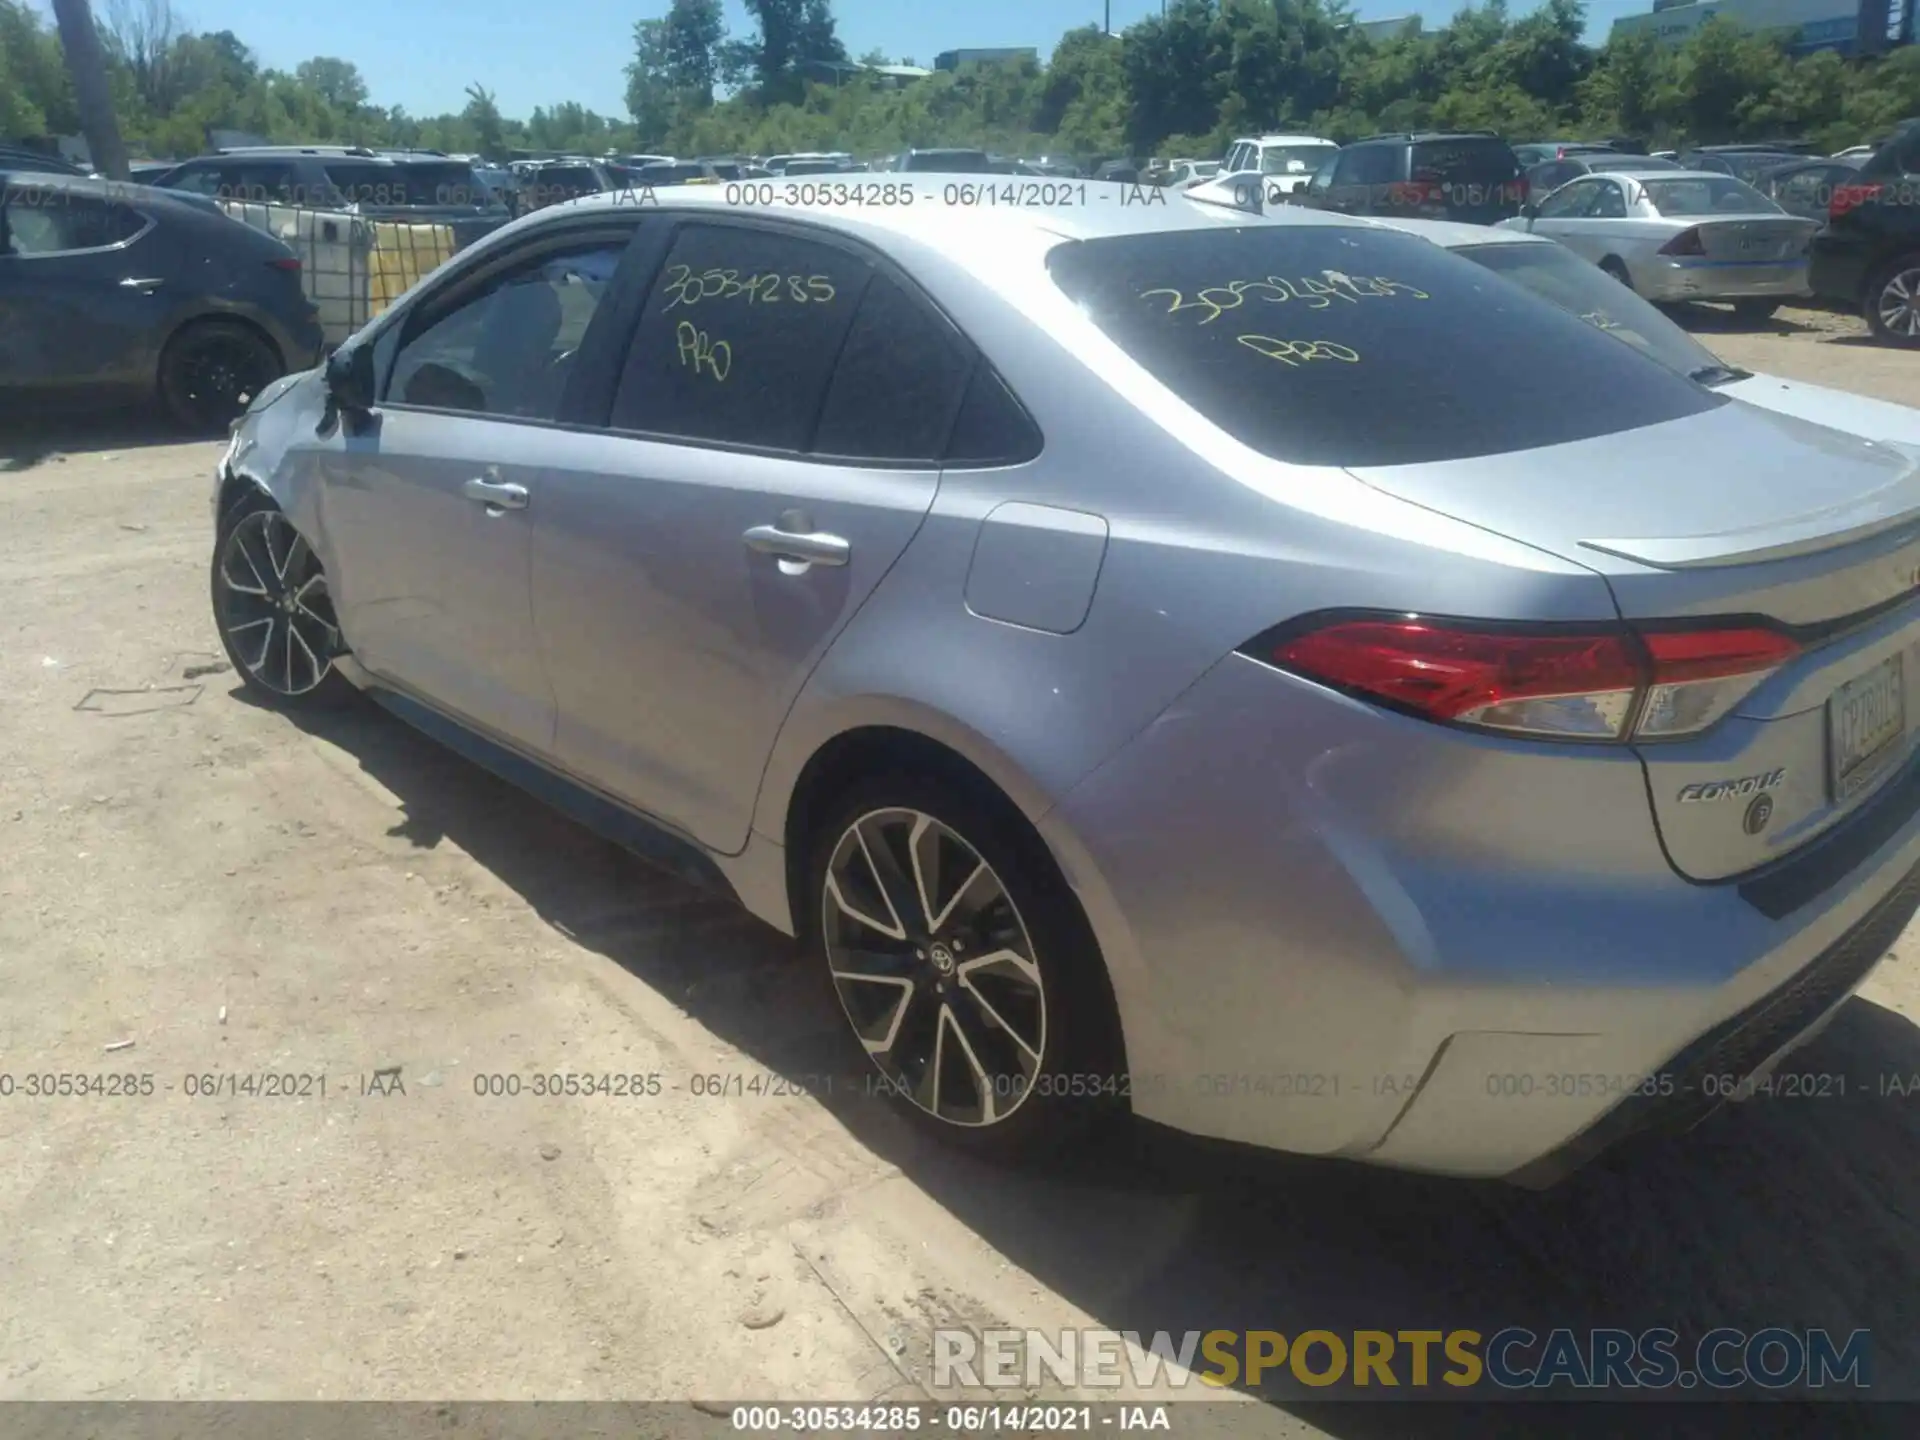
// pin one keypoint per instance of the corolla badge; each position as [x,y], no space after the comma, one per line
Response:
[1738,789]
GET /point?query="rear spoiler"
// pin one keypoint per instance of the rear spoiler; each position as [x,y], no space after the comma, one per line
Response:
[1892,505]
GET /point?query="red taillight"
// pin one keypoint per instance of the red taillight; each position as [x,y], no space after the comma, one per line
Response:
[1599,684]
[286,262]
[1687,242]
[1847,197]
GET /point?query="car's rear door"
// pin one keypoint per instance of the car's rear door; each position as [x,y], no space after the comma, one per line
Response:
[694,559]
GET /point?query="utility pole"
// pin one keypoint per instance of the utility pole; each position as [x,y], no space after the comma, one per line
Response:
[92,95]
[1106,25]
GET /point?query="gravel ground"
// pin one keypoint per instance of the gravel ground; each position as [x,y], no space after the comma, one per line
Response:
[219,891]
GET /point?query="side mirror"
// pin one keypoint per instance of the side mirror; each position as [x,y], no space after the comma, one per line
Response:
[350,379]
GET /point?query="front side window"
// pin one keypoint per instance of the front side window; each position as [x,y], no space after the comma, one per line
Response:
[737,340]
[507,351]
[1570,201]
[1608,202]
[1327,345]
[53,222]
[1706,196]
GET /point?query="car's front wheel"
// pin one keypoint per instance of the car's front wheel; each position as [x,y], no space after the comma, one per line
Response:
[963,966]
[1893,302]
[273,610]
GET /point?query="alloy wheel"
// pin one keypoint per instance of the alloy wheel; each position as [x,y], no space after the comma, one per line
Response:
[934,967]
[1898,304]
[274,609]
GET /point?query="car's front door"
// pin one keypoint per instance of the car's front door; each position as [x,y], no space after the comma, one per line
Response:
[82,283]
[1563,215]
[772,446]
[428,508]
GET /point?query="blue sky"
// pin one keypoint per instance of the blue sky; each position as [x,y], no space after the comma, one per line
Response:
[424,53]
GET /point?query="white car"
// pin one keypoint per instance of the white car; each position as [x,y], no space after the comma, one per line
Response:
[1555,273]
[1287,162]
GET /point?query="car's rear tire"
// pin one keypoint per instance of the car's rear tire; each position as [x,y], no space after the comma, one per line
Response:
[211,370]
[1892,306]
[273,611]
[1756,312]
[971,982]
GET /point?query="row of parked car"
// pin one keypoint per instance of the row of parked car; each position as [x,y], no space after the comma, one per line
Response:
[1754,224]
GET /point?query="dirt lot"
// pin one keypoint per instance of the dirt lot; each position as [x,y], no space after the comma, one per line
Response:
[225,892]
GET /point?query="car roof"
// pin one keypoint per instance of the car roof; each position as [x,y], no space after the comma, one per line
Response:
[966,232]
[1285,140]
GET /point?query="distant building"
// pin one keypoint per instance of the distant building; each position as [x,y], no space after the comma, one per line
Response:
[1849,26]
[954,59]
[1378,30]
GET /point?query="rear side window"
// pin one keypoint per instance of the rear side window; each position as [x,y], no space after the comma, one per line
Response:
[1720,195]
[993,428]
[52,222]
[1335,345]
[1464,162]
[901,375]
[739,338]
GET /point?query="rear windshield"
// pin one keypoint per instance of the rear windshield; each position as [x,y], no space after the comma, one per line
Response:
[565,181]
[1338,345]
[1598,164]
[1585,291]
[671,174]
[1464,161]
[1715,195]
[1294,159]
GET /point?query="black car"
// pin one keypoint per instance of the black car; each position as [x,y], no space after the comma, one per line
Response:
[1806,188]
[554,182]
[948,162]
[121,287]
[1472,177]
[20,157]
[1743,163]
[1869,254]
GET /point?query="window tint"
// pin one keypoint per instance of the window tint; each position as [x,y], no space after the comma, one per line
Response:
[267,182]
[901,374]
[47,222]
[1366,165]
[738,339]
[1585,291]
[1608,202]
[200,179]
[1450,162]
[992,428]
[1322,345]
[508,350]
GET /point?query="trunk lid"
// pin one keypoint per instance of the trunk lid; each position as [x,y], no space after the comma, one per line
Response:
[1756,238]
[1737,512]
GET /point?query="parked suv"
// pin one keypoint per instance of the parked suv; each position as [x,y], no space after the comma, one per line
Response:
[1473,177]
[1869,254]
[414,185]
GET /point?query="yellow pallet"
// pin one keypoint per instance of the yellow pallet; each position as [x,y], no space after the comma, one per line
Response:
[401,255]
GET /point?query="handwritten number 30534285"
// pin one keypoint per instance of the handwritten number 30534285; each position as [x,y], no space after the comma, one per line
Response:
[687,288]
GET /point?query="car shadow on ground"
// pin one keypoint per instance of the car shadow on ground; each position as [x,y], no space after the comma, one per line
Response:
[1796,1212]
[33,434]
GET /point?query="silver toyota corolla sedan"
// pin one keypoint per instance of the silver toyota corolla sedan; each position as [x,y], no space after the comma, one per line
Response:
[1158,659]
[1680,235]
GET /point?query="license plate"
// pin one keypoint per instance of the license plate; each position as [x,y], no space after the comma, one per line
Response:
[1865,720]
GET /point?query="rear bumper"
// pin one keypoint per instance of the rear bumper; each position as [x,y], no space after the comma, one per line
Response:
[1337,931]
[1665,279]
[1838,267]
